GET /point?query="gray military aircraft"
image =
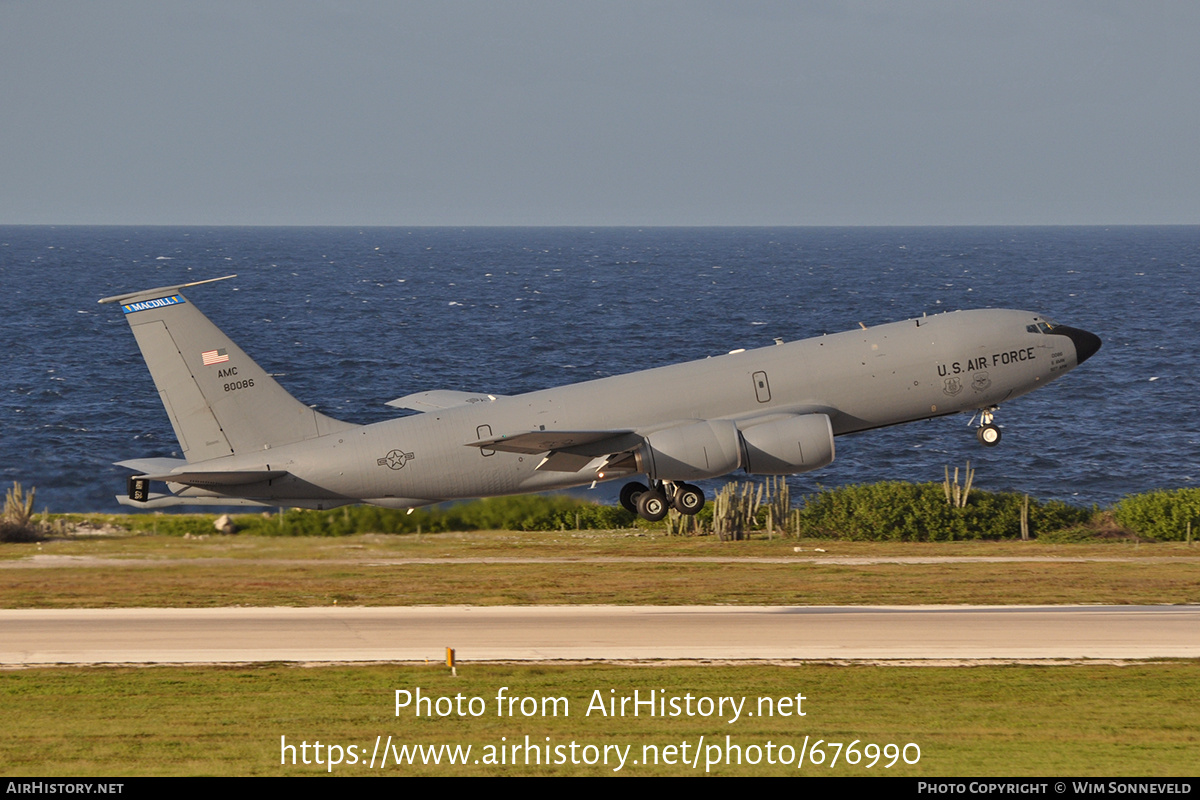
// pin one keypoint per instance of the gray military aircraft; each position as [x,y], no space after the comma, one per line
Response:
[770,411]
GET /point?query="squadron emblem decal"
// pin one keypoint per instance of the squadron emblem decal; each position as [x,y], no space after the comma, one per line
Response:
[395,459]
[953,386]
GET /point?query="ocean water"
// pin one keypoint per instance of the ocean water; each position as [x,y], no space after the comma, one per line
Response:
[351,318]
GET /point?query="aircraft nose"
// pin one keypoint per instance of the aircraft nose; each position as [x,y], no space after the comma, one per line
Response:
[1086,343]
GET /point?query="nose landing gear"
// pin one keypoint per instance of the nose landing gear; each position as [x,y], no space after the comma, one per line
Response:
[988,433]
[652,504]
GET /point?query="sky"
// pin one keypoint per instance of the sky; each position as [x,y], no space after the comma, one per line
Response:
[534,112]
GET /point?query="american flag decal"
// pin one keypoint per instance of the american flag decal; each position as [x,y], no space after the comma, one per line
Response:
[210,357]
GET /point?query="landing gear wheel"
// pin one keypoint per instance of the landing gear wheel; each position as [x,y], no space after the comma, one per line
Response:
[988,435]
[688,499]
[651,506]
[629,495]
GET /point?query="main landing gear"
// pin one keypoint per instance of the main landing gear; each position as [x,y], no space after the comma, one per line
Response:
[652,504]
[988,433]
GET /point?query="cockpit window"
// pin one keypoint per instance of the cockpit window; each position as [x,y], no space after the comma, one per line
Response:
[1042,327]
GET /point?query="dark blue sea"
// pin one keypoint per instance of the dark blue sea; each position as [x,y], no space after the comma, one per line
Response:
[351,318]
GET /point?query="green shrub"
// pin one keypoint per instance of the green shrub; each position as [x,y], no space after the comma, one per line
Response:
[520,513]
[918,512]
[1162,515]
[172,524]
[1078,534]
[888,511]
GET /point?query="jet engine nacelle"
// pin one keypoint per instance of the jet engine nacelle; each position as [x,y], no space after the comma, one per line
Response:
[788,446]
[706,449]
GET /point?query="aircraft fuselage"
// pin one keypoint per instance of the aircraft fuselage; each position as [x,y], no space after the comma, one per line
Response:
[861,379]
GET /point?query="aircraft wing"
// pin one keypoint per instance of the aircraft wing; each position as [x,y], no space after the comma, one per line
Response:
[609,452]
[596,443]
[566,451]
[439,399]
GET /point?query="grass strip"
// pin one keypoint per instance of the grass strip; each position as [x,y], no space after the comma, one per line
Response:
[316,584]
[365,570]
[558,544]
[1100,720]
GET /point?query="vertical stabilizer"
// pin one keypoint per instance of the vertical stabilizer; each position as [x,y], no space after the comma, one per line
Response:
[219,400]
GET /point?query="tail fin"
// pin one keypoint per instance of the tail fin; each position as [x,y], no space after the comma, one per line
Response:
[220,402]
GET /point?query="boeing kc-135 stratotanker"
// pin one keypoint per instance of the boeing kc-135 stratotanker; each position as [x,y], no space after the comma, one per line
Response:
[770,411]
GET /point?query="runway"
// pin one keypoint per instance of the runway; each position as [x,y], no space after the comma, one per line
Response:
[547,633]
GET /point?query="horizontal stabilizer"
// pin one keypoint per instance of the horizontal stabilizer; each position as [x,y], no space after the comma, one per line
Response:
[168,500]
[581,443]
[152,465]
[217,478]
[161,290]
[157,500]
[439,399]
